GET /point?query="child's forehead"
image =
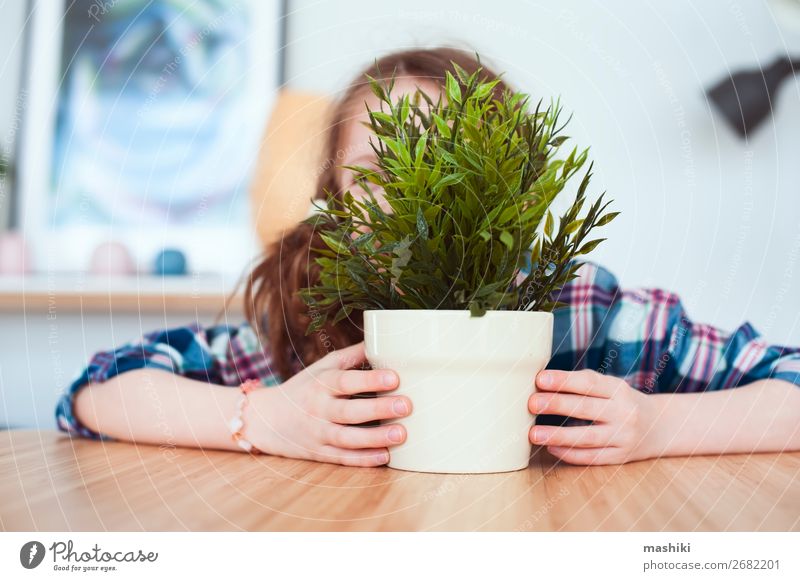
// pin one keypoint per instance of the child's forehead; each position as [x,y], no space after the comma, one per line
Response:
[408,85]
[356,133]
[401,86]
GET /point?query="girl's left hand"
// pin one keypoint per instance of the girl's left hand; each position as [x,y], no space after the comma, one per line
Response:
[624,418]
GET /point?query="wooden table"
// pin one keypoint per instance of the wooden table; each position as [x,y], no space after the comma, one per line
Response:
[49,482]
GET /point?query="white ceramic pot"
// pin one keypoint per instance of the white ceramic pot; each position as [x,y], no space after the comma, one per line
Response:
[469,380]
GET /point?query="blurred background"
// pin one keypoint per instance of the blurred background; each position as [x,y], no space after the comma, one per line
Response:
[146,144]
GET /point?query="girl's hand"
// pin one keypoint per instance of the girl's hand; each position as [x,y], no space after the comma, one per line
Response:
[308,416]
[624,418]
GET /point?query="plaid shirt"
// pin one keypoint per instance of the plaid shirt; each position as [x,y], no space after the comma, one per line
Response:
[643,336]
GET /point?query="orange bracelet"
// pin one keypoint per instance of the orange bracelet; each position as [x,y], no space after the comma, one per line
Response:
[236,425]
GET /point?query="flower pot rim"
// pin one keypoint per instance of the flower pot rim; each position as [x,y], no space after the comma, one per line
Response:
[459,312]
[452,311]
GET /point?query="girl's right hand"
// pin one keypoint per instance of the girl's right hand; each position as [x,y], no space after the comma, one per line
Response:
[309,415]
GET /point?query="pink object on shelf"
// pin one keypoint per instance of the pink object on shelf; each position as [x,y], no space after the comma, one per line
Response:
[111,258]
[13,253]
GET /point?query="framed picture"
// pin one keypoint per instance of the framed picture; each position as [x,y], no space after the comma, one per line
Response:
[143,122]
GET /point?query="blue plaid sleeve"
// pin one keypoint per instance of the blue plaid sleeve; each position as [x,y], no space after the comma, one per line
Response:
[700,357]
[222,355]
[646,337]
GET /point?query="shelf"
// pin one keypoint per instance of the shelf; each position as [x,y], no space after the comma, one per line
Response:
[93,293]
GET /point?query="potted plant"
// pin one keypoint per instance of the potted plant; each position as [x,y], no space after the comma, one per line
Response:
[458,267]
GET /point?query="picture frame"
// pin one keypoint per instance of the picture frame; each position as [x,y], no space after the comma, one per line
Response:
[129,136]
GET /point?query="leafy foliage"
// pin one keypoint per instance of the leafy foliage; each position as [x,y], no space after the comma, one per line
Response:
[468,181]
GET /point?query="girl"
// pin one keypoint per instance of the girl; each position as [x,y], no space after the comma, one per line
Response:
[631,376]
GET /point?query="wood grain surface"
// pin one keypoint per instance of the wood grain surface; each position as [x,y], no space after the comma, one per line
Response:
[50,482]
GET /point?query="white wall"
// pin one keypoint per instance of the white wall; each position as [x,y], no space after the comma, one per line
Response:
[40,355]
[12,14]
[704,213]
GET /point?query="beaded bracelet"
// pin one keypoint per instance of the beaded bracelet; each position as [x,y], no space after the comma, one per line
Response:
[236,425]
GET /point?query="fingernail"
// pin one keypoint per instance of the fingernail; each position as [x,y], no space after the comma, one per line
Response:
[536,402]
[396,434]
[537,435]
[400,407]
[389,379]
[383,458]
[545,379]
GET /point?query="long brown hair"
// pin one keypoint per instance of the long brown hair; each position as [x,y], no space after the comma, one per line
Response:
[271,301]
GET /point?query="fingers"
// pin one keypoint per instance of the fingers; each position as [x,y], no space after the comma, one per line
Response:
[574,436]
[361,458]
[588,456]
[345,358]
[356,381]
[352,437]
[358,411]
[568,404]
[583,382]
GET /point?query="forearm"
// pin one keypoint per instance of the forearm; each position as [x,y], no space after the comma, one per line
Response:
[157,407]
[763,416]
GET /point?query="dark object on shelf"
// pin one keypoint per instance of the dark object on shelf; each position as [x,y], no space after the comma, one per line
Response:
[170,262]
[745,98]
[6,192]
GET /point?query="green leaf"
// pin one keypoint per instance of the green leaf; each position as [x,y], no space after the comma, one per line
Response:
[452,88]
[363,239]
[405,107]
[422,225]
[589,246]
[607,218]
[507,239]
[335,244]
[548,225]
[442,126]
[453,178]
[510,213]
[420,147]
[573,226]
[483,90]
[381,116]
